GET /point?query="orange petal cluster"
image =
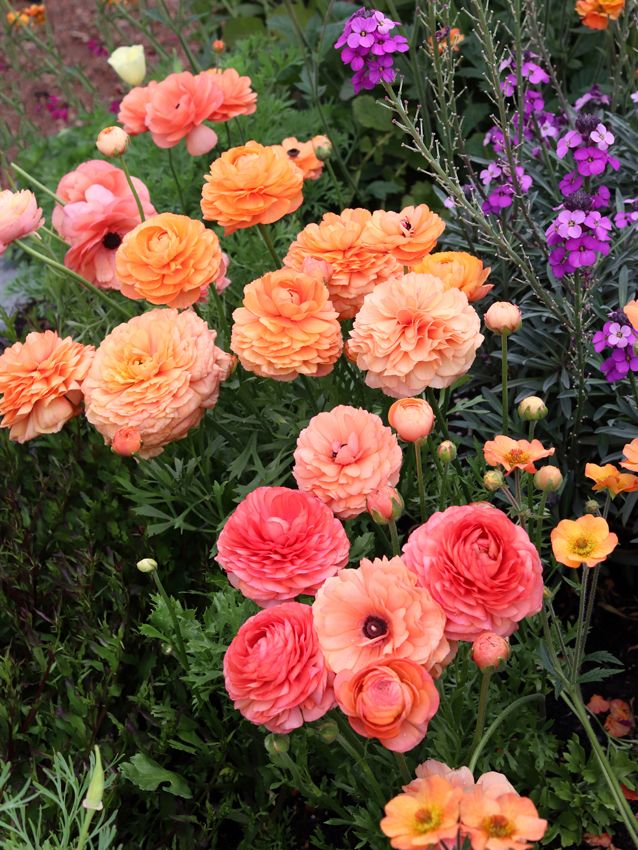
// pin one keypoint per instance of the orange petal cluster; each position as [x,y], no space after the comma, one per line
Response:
[408,235]
[630,453]
[631,311]
[586,540]
[514,454]
[237,96]
[596,14]
[457,270]
[608,477]
[304,154]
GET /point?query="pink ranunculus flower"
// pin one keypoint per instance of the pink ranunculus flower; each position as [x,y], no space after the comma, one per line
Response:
[177,108]
[280,543]
[72,187]
[132,114]
[480,567]
[274,670]
[20,216]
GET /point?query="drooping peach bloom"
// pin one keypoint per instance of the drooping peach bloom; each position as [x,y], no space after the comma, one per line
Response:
[598,704]
[158,372]
[412,333]
[20,216]
[392,700]
[237,96]
[357,265]
[596,14]
[608,477]
[274,671]
[343,455]
[132,114]
[493,820]
[250,185]
[411,418]
[280,543]
[304,154]
[286,327]
[40,383]
[426,817]
[408,235]
[376,612]
[514,454]
[167,259]
[586,540]
[177,108]
[630,453]
[631,311]
[457,270]
[480,567]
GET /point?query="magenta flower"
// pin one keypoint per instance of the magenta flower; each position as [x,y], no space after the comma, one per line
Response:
[570,183]
[367,46]
[568,224]
[571,139]
[590,161]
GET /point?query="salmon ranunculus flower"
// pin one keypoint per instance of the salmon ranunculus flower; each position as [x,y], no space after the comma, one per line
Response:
[427,816]
[408,235]
[286,327]
[609,478]
[480,567]
[514,454]
[40,383]
[356,265]
[251,185]
[343,455]
[412,333]
[126,441]
[167,259]
[158,373]
[177,108]
[392,700]
[304,154]
[630,453]
[73,186]
[411,418]
[457,270]
[238,97]
[631,311]
[376,612]
[586,540]
[132,114]
[274,671]
[494,818]
[596,14]
[20,216]
[280,543]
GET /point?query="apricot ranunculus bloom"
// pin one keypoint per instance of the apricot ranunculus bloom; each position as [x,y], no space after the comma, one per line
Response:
[631,311]
[514,454]
[237,96]
[408,235]
[586,540]
[40,383]
[286,327]
[177,108]
[480,567]
[357,266]
[427,816]
[167,259]
[596,14]
[280,543]
[493,820]
[392,700]
[304,154]
[412,333]
[411,418]
[158,372]
[343,455]
[20,216]
[630,453]
[250,185]
[376,612]
[457,270]
[274,671]
[609,478]
[132,114]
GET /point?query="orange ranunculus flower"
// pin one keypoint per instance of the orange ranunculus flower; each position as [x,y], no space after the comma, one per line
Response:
[457,270]
[630,452]
[249,185]
[609,478]
[304,154]
[586,540]
[631,311]
[408,235]
[286,327]
[357,264]
[239,98]
[596,14]
[167,259]
[40,383]
[427,816]
[514,454]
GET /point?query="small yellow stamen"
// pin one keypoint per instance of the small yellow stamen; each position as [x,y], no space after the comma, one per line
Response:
[498,826]
[427,819]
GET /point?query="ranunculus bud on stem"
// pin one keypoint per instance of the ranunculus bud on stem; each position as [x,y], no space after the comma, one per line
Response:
[112,141]
[147,565]
[532,409]
[411,418]
[385,505]
[327,730]
[493,480]
[548,479]
[503,318]
[490,650]
[446,451]
[276,745]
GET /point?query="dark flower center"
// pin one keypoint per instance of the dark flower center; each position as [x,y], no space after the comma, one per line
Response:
[375,627]
[587,122]
[112,240]
[578,201]
[293,153]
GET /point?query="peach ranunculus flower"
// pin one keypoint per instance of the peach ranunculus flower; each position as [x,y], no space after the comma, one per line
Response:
[158,372]
[20,216]
[40,383]
[609,478]
[412,333]
[630,454]
[177,108]
[250,185]
[73,186]
[596,14]
[375,612]
[427,816]
[631,311]
[357,266]
[586,540]
[343,455]
[494,817]
[514,454]
[457,270]
[132,114]
[167,259]
[411,418]
[238,97]
[392,700]
[286,327]
[280,543]
[408,235]
[480,567]
[274,671]
[304,154]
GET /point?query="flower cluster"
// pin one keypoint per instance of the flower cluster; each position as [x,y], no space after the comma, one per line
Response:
[33,15]
[596,14]
[367,45]
[620,335]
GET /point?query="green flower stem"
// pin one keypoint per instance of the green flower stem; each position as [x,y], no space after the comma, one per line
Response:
[539,521]
[634,387]
[580,627]
[180,35]
[394,537]
[482,707]
[265,235]
[140,208]
[178,185]
[442,426]
[419,477]
[52,235]
[504,397]
[36,183]
[84,831]
[443,487]
[406,776]
[491,729]
[179,640]
[365,768]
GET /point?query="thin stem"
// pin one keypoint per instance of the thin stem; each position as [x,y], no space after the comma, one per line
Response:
[129,180]
[634,387]
[491,729]
[403,767]
[539,522]
[53,235]
[223,330]
[482,706]
[84,831]
[578,648]
[504,397]
[182,657]
[176,179]
[265,235]
[365,768]
[419,477]
[394,537]
[180,35]
[37,183]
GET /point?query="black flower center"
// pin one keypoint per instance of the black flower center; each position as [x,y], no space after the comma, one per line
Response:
[375,627]
[587,122]
[112,240]
[293,153]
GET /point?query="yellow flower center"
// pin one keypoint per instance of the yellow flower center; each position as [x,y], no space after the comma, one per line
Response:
[498,826]
[582,546]
[427,819]
[516,456]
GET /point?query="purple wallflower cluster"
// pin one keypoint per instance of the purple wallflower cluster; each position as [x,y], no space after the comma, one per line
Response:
[368,47]
[621,337]
[497,179]
[627,217]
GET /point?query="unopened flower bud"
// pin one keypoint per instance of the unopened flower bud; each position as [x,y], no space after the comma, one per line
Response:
[490,650]
[384,504]
[126,441]
[411,418]
[547,593]
[276,745]
[218,46]
[446,451]
[532,408]
[493,480]
[147,565]
[548,479]
[324,151]
[112,141]
[328,731]
[503,318]
[129,63]
[592,507]
[95,791]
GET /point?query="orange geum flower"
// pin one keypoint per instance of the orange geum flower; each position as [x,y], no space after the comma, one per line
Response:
[630,452]
[609,478]
[620,720]
[305,154]
[494,821]
[586,540]
[457,270]
[514,454]
[631,311]
[427,816]
[408,235]
[447,38]
[596,14]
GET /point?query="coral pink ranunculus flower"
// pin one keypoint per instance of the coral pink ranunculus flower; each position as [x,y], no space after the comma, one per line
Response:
[630,455]
[158,372]
[392,700]
[343,455]
[20,216]
[376,612]
[412,333]
[72,187]
[274,670]
[408,235]
[480,567]
[177,108]
[238,97]
[40,383]
[132,114]
[280,543]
